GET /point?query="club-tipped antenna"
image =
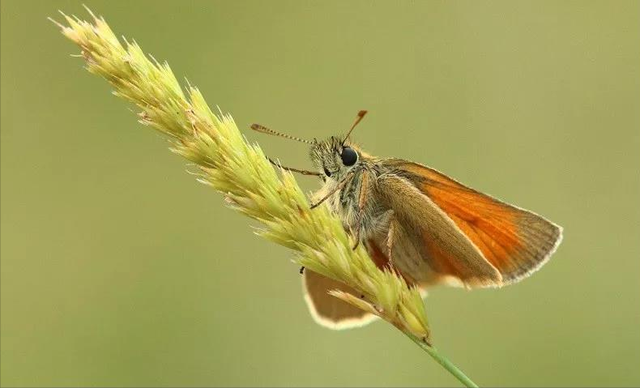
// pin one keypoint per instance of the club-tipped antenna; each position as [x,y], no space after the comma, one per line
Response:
[358,119]
[263,129]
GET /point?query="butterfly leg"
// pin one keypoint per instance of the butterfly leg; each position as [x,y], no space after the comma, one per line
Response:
[356,235]
[362,203]
[303,172]
[337,188]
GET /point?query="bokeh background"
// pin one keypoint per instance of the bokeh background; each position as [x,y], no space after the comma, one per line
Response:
[119,269]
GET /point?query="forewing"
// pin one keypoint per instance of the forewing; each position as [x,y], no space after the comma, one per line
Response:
[424,244]
[515,241]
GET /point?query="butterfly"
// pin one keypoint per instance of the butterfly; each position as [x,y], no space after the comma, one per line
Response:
[428,227]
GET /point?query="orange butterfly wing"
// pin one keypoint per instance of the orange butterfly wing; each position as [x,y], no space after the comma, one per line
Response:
[515,241]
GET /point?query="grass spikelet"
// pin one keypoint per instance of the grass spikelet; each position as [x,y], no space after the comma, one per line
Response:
[241,172]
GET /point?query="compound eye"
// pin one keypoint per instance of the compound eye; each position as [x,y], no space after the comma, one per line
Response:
[349,156]
[327,172]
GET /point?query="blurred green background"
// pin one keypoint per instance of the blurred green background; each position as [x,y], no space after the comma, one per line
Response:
[119,269]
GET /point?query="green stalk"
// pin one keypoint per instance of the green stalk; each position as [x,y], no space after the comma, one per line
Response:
[249,183]
[444,361]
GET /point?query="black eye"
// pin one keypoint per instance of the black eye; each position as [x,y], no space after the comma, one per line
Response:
[349,156]
[327,172]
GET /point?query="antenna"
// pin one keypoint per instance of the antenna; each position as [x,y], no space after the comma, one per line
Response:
[263,129]
[358,119]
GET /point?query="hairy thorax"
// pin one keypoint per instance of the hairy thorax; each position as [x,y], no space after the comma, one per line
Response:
[355,203]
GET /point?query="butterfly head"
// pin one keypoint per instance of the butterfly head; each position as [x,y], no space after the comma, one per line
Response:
[334,157]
